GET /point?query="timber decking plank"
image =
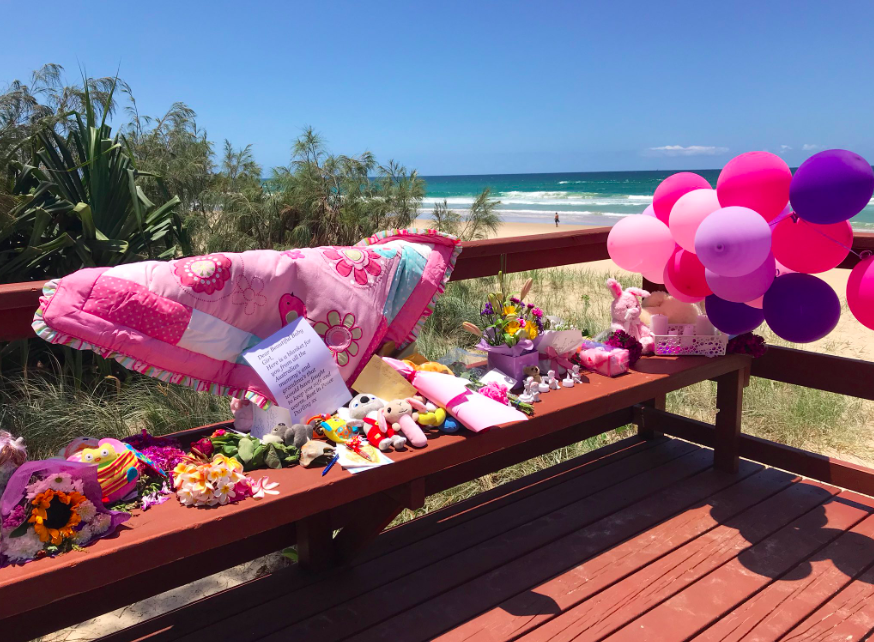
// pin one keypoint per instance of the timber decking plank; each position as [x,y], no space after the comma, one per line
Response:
[170,626]
[519,614]
[699,605]
[768,615]
[848,616]
[350,583]
[604,613]
[466,601]
[415,588]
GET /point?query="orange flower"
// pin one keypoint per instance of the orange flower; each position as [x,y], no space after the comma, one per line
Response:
[54,516]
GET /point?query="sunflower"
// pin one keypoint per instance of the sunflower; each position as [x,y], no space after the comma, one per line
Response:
[55,516]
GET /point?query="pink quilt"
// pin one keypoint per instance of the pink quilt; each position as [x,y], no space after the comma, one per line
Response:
[188,321]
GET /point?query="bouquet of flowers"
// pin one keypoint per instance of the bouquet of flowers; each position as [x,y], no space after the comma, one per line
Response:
[52,507]
[510,330]
[217,482]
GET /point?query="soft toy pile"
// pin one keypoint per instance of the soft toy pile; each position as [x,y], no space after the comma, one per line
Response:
[750,247]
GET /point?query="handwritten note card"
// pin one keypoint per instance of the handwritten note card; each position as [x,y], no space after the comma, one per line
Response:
[299,370]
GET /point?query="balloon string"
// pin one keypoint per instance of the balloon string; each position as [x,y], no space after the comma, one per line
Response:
[861,255]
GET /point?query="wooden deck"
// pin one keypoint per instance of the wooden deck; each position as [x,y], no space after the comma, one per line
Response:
[643,540]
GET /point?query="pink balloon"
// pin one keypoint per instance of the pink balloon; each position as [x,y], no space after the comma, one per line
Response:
[671,189]
[757,303]
[782,269]
[674,292]
[656,276]
[688,212]
[733,241]
[640,243]
[746,288]
[757,180]
[687,275]
[649,211]
[860,292]
[779,270]
[811,248]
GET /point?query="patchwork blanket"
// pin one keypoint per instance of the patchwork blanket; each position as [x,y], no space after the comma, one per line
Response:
[188,321]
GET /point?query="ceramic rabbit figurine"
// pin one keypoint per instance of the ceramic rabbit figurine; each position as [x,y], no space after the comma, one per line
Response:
[625,311]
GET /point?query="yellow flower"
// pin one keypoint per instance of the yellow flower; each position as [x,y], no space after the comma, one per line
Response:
[532,330]
[512,327]
[54,516]
[509,309]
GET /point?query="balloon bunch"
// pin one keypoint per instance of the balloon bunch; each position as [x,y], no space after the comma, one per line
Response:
[750,247]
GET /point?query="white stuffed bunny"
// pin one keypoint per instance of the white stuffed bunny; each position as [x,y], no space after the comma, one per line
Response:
[625,310]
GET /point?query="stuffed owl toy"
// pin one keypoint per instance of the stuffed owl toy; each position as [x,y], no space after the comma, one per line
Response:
[118,467]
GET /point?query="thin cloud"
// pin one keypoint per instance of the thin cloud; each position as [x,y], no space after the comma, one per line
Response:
[807,147]
[691,150]
[784,149]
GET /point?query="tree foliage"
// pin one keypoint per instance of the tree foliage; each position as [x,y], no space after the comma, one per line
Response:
[481,221]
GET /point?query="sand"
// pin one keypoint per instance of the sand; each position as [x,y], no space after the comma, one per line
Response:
[849,339]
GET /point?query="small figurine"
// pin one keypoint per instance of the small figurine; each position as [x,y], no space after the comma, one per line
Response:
[576,374]
[535,393]
[568,381]
[526,396]
[532,372]
[553,382]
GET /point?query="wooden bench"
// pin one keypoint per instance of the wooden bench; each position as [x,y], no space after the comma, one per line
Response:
[544,557]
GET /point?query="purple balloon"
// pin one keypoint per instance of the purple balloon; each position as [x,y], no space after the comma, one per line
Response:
[740,289]
[649,211]
[831,187]
[733,241]
[730,317]
[801,308]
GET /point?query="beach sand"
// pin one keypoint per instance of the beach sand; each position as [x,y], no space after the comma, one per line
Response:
[849,339]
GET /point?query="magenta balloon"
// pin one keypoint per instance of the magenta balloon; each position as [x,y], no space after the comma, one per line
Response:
[801,308]
[730,317]
[831,186]
[674,292]
[733,241]
[688,212]
[860,292]
[687,275]
[649,211]
[746,288]
[671,189]
[756,180]
[640,243]
[811,248]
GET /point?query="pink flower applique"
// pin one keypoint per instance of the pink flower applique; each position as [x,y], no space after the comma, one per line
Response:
[362,263]
[206,274]
[293,254]
[247,292]
[341,336]
[290,308]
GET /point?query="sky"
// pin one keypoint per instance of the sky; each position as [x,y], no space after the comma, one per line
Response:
[486,87]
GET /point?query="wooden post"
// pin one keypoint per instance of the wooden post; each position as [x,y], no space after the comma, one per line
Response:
[643,430]
[729,408]
[315,542]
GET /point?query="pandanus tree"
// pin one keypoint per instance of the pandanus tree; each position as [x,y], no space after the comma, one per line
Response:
[81,204]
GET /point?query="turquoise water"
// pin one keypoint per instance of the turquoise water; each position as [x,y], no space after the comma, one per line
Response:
[580,198]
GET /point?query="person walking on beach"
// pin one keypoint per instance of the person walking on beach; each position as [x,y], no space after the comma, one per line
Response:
[556,219]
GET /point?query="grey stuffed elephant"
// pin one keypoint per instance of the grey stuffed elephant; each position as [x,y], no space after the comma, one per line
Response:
[295,435]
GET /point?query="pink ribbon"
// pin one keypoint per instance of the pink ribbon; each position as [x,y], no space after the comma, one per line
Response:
[457,400]
[557,359]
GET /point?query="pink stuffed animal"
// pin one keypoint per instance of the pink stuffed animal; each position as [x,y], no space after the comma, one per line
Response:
[625,311]
[401,415]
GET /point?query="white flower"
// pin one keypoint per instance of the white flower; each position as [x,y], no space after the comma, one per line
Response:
[83,536]
[24,548]
[86,510]
[101,523]
[186,496]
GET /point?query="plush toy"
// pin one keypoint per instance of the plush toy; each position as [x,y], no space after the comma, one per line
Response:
[295,435]
[401,415]
[429,366]
[625,311]
[364,416]
[243,414]
[118,468]
[315,452]
[12,455]
[533,372]
[674,309]
[77,445]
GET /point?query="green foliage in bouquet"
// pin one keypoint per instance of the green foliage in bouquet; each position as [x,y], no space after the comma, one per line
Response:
[507,320]
[254,453]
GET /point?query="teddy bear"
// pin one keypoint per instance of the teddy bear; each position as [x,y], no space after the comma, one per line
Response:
[401,416]
[295,435]
[533,372]
[363,416]
[663,303]
[625,310]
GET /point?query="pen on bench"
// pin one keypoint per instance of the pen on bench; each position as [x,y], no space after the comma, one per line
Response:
[330,464]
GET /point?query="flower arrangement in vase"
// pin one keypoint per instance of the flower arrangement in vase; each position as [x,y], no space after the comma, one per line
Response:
[509,330]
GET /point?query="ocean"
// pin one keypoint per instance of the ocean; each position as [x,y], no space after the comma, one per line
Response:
[580,198]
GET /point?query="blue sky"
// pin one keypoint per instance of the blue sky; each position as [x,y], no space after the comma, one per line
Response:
[487,87]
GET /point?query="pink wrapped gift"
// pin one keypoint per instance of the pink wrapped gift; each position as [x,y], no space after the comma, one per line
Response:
[609,362]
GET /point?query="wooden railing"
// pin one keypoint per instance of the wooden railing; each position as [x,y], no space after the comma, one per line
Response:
[841,375]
